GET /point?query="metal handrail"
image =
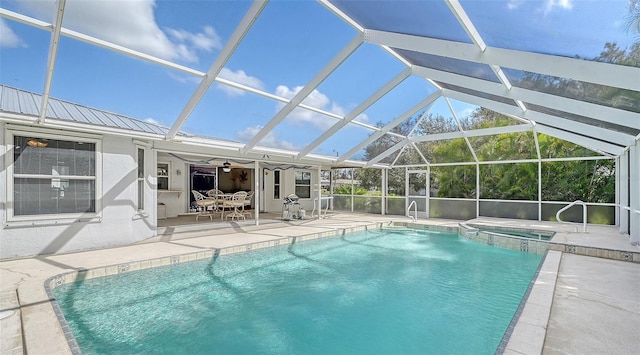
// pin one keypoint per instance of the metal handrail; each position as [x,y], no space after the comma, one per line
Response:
[630,210]
[584,214]
[415,211]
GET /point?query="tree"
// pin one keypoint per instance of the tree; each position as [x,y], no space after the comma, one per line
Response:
[633,19]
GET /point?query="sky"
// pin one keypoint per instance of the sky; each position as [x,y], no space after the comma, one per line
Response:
[289,43]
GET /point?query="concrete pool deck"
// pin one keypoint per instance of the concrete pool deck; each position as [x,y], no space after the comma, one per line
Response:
[578,304]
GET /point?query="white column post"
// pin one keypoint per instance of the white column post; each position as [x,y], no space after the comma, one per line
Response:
[428,193]
[385,190]
[257,176]
[319,192]
[406,192]
[634,192]
[622,191]
[477,190]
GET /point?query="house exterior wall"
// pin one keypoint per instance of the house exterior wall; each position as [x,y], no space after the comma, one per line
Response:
[176,198]
[116,221]
[287,186]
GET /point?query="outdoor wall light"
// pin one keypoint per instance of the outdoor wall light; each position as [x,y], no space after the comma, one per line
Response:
[226,167]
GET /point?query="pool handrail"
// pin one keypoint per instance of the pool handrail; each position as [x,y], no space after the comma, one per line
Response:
[415,211]
[326,209]
[584,214]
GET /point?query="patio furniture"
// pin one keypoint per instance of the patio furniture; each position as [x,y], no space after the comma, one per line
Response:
[219,197]
[247,202]
[214,193]
[237,201]
[203,204]
[290,207]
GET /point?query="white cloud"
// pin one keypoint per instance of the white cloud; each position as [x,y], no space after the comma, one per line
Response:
[185,78]
[270,140]
[315,99]
[8,38]
[131,24]
[207,41]
[550,5]
[546,7]
[240,77]
[513,4]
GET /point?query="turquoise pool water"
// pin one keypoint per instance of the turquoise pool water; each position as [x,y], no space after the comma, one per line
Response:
[379,291]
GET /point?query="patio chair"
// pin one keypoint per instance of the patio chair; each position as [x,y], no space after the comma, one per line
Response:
[247,202]
[214,193]
[237,201]
[203,204]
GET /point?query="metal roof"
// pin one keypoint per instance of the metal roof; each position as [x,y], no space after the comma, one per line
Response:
[448,50]
[16,101]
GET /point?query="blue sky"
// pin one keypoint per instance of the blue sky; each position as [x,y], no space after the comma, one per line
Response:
[288,45]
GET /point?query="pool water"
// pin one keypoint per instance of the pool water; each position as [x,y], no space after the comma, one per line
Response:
[378,291]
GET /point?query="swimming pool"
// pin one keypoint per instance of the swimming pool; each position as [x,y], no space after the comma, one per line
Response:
[529,234]
[380,291]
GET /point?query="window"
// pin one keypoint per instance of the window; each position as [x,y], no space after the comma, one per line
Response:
[163,176]
[53,176]
[303,184]
[276,185]
[140,161]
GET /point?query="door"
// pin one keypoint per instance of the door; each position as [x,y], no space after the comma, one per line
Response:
[273,190]
[202,179]
[418,192]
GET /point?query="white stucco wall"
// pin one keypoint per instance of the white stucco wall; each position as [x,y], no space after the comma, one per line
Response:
[177,197]
[287,186]
[117,223]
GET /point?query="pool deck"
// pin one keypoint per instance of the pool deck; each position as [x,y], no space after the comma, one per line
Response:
[578,304]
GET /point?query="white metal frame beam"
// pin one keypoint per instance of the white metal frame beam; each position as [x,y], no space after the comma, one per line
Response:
[595,145]
[583,70]
[473,133]
[222,58]
[582,108]
[51,60]
[388,152]
[550,121]
[426,103]
[618,138]
[97,42]
[466,139]
[356,111]
[306,90]
[410,144]
[467,24]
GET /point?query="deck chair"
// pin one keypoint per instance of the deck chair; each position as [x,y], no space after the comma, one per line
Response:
[204,203]
[247,203]
[236,202]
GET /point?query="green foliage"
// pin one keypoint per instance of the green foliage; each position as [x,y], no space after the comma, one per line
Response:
[347,190]
[590,181]
[509,181]
[454,181]
[342,189]
[370,179]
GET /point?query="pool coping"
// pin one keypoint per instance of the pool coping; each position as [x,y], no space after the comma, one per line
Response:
[525,323]
[541,246]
